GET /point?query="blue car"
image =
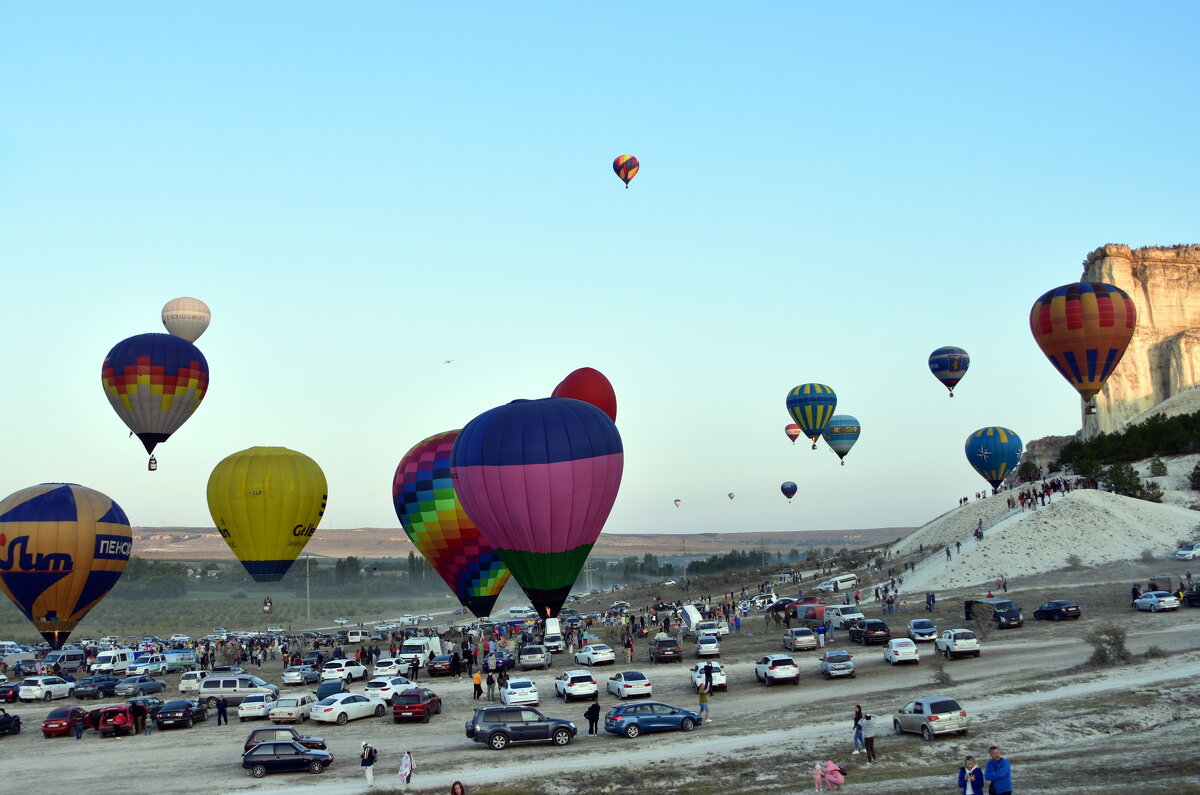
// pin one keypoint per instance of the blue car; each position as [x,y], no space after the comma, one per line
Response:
[284,756]
[633,719]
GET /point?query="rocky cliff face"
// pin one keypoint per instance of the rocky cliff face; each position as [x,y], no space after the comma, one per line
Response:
[1163,358]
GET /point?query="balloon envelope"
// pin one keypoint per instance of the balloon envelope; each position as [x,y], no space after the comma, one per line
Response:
[1084,328]
[994,452]
[62,549]
[626,167]
[590,386]
[538,478]
[434,520]
[812,406]
[267,503]
[186,318]
[949,365]
[678,503]
[154,383]
[793,431]
[841,433]
[789,489]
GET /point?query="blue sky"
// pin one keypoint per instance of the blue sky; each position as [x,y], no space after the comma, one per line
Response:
[361,191]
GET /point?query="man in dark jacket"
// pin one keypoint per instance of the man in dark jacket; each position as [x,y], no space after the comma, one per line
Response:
[592,714]
[139,712]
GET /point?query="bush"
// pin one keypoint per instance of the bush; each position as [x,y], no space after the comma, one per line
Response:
[1152,492]
[983,619]
[1074,562]
[1155,653]
[1147,556]
[1108,645]
[939,674]
[1194,478]
[1158,469]
[237,594]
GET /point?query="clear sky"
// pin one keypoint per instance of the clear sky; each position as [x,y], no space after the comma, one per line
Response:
[361,191]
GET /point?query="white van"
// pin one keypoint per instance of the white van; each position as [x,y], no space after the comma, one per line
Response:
[841,616]
[358,636]
[415,651]
[844,582]
[521,613]
[113,661]
[552,638]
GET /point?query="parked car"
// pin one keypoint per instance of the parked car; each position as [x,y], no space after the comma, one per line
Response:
[61,721]
[900,650]
[140,685]
[300,675]
[234,688]
[837,663]
[1154,601]
[281,733]
[798,638]
[291,709]
[255,706]
[46,688]
[441,665]
[719,680]
[151,703]
[109,724]
[534,657]
[497,661]
[417,703]
[520,691]
[390,666]
[346,707]
[664,648]
[1056,610]
[9,692]
[921,629]
[627,684]
[576,684]
[956,643]
[595,654]
[1188,552]
[708,646]
[183,712]
[350,670]
[96,686]
[284,756]
[633,720]
[775,668]
[9,724]
[387,687]
[931,716]
[499,727]
[871,630]
[331,687]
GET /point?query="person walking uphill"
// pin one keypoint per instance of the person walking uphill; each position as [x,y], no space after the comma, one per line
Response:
[367,760]
[592,713]
[998,773]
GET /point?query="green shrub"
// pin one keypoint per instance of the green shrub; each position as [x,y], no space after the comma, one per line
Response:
[1108,645]
[1158,469]
[1074,562]
[1194,478]
[1147,556]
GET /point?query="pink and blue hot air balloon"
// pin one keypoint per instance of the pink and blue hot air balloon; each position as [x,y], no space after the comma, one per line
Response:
[538,478]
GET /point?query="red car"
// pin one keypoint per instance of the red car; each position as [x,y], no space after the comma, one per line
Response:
[110,726]
[61,721]
[438,666]
[8,691]
[415,703]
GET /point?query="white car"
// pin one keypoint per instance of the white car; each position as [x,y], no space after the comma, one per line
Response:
[1155,601]
[520,691]
[957,643]
[385,688]
[776,668]
[921,629]
[900,650]
[630,683]
[341,622]
[179,638]
[255,706]
[292,709]
[708,646]
[45,688]
[594,654]
[1188,552]
[719,682]
[346,670]
[424,618]
[346,707]
[575,684]
[189,681]
[388,666]
[798,638]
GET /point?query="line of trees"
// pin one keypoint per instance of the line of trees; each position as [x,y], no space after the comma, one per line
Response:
[1156,436]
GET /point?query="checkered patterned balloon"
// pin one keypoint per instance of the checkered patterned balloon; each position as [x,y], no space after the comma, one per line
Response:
[154,383]
[428,507]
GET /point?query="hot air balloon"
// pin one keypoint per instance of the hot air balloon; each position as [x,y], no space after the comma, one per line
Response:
[678,503]
[811,406]
[64,547]
[154,383]
[538,478]
[267,503]
[425,502]
[626,167]
[1084,328]
[994,452]
[793,431]
[186,318]
[841,434]
[730,495]
[789,489]
[949,365]
[590,386]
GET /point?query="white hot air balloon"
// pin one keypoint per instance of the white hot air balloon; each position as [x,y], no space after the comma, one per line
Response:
[186,317]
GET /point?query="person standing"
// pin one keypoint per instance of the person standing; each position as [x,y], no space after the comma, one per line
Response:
[81,723]
[222,710]
[708,676]
[858,732]
[477,681]
[407,766]
[970,777]
[998,772]
[491,687]
[367,760]
[821,635]
[705,715]
[868,733]
[139,712]
[592,713]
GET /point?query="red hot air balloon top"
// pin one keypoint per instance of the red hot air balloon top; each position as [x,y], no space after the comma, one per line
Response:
[590,386]
[626,167]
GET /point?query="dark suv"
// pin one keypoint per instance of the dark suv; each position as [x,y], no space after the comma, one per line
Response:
[97,686]
[871,630]
[498,727]
[667,649]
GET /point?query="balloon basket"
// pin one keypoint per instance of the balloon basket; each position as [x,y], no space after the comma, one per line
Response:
[152,464]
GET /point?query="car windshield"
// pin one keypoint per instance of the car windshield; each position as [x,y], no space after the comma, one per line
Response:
[837,658]
[325,702]
[964,635]
[519,683]
[632,676]
[287,702]
[922,623]
[943,706]
[61,712]
[599,647]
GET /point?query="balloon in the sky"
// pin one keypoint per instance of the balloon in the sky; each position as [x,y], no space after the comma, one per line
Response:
[1084,328]
[793,431]
[841,434]
[811,406]
[730,495]
[590,386]
[949,365]
[678,503]
[994,452]
[267,503]
[426,504]
[626,167]
[186,317]
[154,383]
[789,489]
[538,478]
[64,547]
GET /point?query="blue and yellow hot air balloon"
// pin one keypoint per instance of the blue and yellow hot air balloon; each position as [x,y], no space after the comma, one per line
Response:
[948,365]
[267,503]
[994,452]
[812,406]
[62,549]
[841,434]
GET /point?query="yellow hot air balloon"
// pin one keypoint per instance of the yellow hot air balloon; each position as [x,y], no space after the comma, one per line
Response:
[62,548]
[267,503]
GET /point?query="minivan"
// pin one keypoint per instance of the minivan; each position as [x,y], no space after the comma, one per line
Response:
[234,688]
[842,616]
[67,659]
[358,636]
[840,583]
[113,661]
[1005,612]
[552,639]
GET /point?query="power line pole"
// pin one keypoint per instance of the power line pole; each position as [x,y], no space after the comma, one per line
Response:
[307,600]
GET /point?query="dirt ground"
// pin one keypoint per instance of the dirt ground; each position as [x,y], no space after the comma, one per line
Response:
[1066,728]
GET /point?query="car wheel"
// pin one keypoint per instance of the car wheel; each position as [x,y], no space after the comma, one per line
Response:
[47,736]
[1154,608]
[963,732]
[949,654]
[769,681]
[258,771]
[49,697]
[687,725]
[212,703]
[632,731]
[342,718]
[141,692]
[379,711]
[425,717]
[825,674]
[71,693]
[498,741]
[241,719]
[395,720]
[926,733]
[896,727]
[315,767]
[562,737]
[438,711]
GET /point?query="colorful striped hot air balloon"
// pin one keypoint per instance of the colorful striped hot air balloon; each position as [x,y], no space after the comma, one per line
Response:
[538,478]
[267,503]
[949,365]
[428,507]
[1084,328]
[841,434]
[590,386]
[789,489]
[812,406]
[626,167]
[793,431]
[994,452]
[62,549]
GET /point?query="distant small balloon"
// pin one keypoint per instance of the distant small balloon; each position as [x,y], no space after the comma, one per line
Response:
[186,317]
[678,503]
[949,365]
[789,489]
[731,495]
[626,167]
[793,431]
